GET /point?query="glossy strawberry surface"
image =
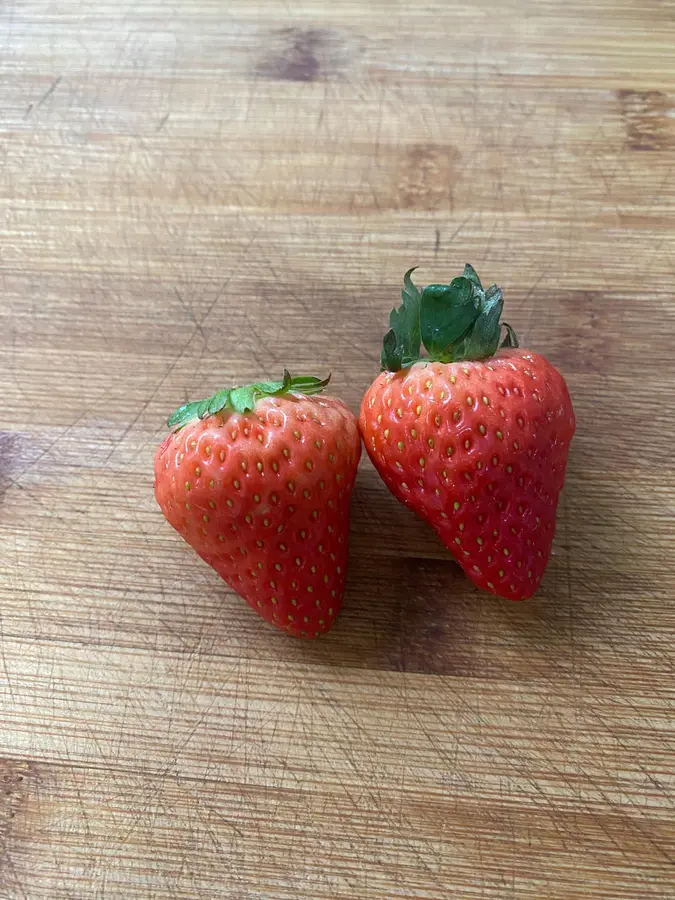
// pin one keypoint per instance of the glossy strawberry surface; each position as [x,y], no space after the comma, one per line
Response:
[479,450]
[263,497]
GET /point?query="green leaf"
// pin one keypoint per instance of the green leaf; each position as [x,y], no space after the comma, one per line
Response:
[286,382]
[203,408]
[494,291]
[218,401]
[482,339]
[471,274]
[308,385]
[183,414]
[511,338]
[269,388]
[243,399]
[391,358]
[447,311]
[404,324]
[456,321]
[411,296]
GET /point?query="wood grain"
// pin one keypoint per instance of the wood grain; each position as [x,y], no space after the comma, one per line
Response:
[199,194]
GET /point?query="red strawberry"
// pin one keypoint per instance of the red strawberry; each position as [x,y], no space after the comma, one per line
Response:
[474,438]
[258,480]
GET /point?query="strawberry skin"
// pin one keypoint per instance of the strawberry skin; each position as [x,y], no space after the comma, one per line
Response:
[478,450]
[477,447]
[263,496]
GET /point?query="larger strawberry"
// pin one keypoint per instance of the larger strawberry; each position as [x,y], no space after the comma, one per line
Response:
[258,480]
[474,437]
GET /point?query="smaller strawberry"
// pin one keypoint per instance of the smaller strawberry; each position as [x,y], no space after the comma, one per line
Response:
[474,437]
[258,480]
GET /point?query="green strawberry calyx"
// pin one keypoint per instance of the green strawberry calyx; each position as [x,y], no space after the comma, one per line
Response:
[243,399]
[453,322]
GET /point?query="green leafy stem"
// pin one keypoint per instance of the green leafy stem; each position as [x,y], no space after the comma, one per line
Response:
[454,322]
[243,399]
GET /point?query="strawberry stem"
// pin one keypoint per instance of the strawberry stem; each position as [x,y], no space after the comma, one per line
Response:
[243,399]
[454,322]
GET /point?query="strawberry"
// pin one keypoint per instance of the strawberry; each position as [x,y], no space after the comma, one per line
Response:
[474,438]
[258,480]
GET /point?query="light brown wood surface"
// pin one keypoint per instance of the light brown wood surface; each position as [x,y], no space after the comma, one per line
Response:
[196,194]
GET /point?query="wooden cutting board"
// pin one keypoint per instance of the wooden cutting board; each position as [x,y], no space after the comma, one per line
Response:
[195,195]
